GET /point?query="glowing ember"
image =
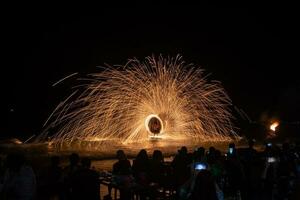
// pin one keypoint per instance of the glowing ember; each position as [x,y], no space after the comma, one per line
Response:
[119,103]
[274,125]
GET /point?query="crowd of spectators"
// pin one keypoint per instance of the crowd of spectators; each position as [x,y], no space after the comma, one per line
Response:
[207,174]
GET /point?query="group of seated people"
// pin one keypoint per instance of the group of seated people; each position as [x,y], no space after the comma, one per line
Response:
[242,173]
[202,174]
[143,175]
[18,181]
[188,175]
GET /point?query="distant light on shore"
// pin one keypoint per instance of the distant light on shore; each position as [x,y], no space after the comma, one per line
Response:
[274,125]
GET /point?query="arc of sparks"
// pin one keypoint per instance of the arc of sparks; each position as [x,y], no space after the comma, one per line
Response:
[115,103]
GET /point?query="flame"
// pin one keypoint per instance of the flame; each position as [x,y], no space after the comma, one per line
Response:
[274,125]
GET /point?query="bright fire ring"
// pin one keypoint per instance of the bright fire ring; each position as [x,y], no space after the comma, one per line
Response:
[154,124]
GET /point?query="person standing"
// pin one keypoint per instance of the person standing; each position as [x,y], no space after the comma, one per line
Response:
[19,182]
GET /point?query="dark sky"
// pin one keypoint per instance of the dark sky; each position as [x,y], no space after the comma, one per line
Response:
[253,52]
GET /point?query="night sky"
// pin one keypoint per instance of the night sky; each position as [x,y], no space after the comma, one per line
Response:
[253,52]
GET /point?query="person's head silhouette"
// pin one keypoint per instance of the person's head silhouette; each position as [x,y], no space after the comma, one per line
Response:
[74,159]
[121,155]
[86,163]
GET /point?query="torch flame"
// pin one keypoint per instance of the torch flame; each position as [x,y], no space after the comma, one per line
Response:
[274,125]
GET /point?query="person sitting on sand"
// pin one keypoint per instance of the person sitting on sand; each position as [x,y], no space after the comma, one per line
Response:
[68,173]
[19,179]
[85,182]
[122,175]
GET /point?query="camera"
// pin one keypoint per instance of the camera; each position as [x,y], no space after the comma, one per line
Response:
[269,144]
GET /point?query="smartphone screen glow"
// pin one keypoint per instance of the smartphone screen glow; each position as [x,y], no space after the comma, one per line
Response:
[200,166]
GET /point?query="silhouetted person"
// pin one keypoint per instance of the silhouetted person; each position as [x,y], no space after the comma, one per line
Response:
[251,166]
[181,167]
[269,178]
[2,170]
[157,167]
[217,168]
[68,173]
[140,167]
[235,173]
[211,155]
[55,177]
[50,180]
[122,174]
[232,150]
[73,163]
[268,150]
[122,166]
[199,155]
[204,188]
[85,182]
[19,179]
[286,171]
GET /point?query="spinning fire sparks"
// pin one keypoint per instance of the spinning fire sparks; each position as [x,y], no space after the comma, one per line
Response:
[153,124]
[132,103]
